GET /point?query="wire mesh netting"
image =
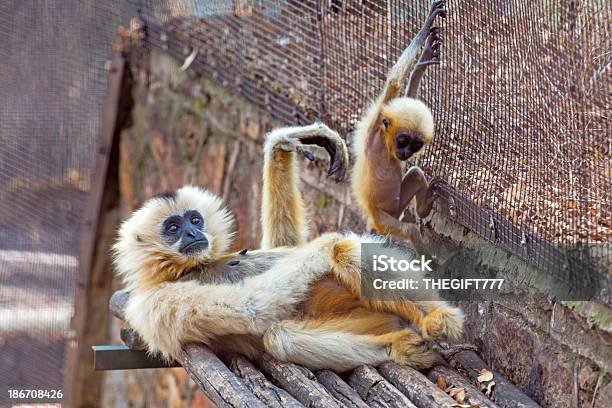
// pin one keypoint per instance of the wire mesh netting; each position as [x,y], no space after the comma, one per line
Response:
[520,100]
[52,85]
[521,103]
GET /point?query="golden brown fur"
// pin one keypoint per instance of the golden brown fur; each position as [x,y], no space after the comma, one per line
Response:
[300,302]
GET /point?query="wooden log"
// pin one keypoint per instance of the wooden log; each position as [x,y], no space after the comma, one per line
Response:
[340,389]
[375,390]
[299,382]
[422,392]
[263,389]
[215,379]
[473,396]
[505,394]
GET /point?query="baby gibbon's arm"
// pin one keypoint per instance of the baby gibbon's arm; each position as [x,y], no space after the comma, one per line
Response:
[283,220]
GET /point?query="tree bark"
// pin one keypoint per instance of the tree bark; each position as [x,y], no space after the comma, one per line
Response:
[263,389]
[505,394]
[299,382]
[340,389]
[376,391]
[473,396]
[415,386]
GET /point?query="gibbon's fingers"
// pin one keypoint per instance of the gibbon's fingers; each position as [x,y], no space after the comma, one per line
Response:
[438,7]
[430,56]
[335,147]
[308,154]
[291,139]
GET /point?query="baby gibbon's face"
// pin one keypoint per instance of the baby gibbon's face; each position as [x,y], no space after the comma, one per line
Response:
[407,126]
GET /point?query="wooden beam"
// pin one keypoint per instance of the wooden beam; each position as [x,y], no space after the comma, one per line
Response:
[89,322]
[376,391]
[299,382]
[422,392]
[259,385]
[216,380]
[340,389]
[452,378]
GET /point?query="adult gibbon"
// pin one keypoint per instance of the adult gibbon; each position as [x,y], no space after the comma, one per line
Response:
[392,130]
[301,301]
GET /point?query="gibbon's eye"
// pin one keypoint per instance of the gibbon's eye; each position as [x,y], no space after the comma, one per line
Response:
[195,220]
[172,228]
[386,122]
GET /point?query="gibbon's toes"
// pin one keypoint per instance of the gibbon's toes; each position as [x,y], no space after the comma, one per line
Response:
[436,183]
[335,147]
[445,322]
[307,154]
[410,349]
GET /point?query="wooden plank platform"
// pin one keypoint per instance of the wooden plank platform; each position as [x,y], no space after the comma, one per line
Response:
[238,382]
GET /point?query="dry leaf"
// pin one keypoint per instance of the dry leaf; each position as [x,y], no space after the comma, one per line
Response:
[462,406]
[485,375]
[457,393]
[460,396]
[441,382]
[490,388]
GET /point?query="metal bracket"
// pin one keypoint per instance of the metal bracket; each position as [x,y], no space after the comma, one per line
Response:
[124,358]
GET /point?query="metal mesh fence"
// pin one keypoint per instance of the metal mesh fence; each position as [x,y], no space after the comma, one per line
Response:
[52,85]
[521,103]
[520,100]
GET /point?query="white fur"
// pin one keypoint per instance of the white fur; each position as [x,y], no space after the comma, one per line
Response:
[319,348]
[171,314]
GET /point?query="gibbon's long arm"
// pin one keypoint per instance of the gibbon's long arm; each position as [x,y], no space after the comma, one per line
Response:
[283,221]
[397,73]
[175,313]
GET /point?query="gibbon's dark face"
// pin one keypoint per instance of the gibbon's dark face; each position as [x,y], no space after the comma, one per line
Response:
[407,144]
[187,230]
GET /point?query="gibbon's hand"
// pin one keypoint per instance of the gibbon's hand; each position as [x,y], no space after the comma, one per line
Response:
[293,139]
[431,51]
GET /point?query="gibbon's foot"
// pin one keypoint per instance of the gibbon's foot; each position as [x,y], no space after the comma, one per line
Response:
[294,139]
[438,8]
[408,348]
[445,322]
[335,147]
[431,51]
[425,201]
